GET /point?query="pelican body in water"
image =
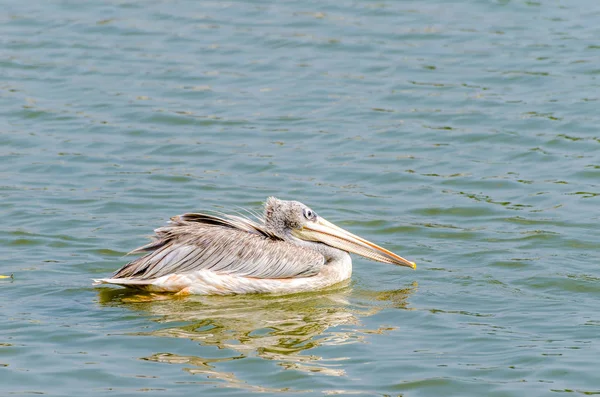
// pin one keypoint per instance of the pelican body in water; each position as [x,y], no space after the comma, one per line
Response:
[292,249]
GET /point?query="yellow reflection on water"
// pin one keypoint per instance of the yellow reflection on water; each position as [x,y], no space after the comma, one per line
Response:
[282,329]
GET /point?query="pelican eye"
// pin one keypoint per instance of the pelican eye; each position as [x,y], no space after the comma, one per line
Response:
[309,214]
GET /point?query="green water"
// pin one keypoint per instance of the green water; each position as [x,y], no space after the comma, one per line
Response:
[461,135]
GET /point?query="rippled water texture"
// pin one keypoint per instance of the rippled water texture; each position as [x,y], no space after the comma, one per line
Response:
[462,135]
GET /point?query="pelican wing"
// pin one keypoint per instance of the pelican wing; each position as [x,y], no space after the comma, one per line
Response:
[226,245]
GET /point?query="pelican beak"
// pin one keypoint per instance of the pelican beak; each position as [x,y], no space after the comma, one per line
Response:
[326,232]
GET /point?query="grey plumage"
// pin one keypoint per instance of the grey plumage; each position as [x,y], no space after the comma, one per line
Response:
[289,249]
[225,244]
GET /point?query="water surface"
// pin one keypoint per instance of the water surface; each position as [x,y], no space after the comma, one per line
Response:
[463,136]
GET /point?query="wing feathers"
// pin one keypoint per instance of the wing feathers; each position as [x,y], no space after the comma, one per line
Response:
[227,245]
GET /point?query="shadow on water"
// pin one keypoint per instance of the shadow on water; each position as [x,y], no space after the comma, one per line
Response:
[278,328]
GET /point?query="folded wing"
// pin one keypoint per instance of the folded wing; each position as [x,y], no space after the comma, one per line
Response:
[223,244]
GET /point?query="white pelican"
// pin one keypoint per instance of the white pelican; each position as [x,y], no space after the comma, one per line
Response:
[292,249]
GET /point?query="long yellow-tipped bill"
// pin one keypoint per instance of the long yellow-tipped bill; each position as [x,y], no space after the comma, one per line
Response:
[326,232]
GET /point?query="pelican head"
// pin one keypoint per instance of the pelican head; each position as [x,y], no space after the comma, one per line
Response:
[295,222]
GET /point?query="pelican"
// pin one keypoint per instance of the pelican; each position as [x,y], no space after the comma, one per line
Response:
[291,249]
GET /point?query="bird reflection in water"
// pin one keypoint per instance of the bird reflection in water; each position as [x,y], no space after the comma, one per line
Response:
[280,328]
